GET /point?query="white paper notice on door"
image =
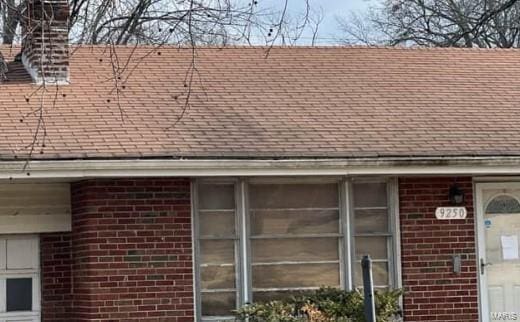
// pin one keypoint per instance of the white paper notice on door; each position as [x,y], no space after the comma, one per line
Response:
[509,247]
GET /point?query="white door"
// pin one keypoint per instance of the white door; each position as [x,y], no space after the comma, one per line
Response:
[499,262]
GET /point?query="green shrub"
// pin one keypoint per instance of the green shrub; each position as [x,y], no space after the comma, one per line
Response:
[323,305]
[269,311]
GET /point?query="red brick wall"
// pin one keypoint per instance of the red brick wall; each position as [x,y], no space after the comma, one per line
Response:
[132,250]
[56,262]
[132,253]
[432,291]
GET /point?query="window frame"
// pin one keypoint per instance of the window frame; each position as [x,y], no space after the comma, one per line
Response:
[494,197]
[346,236]
[393,236]
[196,246]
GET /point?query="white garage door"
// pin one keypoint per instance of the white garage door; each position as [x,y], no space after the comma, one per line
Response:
[19,278]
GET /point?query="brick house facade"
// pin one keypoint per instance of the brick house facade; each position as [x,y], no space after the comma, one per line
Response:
[283,172]
[432,291]
[129,255]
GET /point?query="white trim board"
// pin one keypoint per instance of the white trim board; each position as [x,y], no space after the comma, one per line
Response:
[34,207]
[80,169]
[480,243]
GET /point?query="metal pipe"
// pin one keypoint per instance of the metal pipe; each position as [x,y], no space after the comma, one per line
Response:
[368,287]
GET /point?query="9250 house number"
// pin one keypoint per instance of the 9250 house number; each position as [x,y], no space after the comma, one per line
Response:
[451,213]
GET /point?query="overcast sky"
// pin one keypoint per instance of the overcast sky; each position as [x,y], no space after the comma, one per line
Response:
[331,9]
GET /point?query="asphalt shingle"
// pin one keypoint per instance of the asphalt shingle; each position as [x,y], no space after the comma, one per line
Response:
[296,102]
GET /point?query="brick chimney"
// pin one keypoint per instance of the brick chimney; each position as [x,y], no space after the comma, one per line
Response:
[3,68]
[45,44]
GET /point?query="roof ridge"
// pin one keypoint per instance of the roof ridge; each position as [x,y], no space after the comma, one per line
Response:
[288,47]
[388,47]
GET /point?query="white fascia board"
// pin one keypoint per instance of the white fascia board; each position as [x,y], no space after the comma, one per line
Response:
[82,169]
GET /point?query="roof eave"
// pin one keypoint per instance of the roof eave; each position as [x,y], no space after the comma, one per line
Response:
[70,170]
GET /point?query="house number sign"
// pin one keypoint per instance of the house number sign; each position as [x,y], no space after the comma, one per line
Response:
[443,213]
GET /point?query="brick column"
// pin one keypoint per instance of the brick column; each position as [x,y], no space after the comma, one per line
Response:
[432,291]
[56,281]
[132,250]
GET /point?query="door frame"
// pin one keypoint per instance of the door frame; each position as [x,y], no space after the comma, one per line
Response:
[481,242]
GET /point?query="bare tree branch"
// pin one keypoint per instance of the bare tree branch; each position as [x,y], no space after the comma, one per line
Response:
[459,23]
[111,23]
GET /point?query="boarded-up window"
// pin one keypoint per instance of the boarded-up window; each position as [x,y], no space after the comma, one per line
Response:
[294,238]
[372,231]
[261,240]
[217,243]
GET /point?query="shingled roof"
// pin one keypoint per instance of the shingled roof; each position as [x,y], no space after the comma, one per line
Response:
[298,102]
